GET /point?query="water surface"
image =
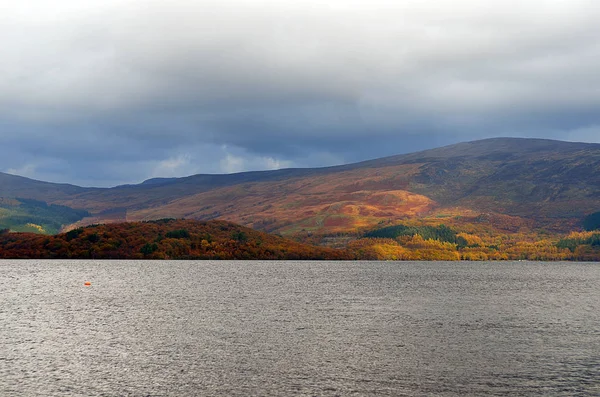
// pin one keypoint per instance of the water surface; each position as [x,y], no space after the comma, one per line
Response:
[196,328]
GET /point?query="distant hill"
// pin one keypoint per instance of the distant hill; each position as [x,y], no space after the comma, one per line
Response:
[28,215]
[505,184]
[12,186]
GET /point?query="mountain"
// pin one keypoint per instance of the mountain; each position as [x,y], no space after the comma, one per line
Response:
[12,186]
[504,184]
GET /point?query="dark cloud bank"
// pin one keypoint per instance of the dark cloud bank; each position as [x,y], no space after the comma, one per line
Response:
[110,92]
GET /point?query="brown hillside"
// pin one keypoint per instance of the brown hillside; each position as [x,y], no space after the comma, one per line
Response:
[162,239]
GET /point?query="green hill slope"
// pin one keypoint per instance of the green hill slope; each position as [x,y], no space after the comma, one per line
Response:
[27,215]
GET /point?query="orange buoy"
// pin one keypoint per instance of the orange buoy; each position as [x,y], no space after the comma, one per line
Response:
[87,283]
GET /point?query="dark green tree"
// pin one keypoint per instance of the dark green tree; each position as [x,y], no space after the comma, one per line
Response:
[148,248]
[592,222]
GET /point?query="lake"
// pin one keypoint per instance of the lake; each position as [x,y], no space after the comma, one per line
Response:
[202,328]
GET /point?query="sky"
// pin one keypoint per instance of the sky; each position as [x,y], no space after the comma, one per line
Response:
[107,92]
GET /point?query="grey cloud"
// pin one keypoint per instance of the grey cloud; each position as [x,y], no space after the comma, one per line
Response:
[106,92]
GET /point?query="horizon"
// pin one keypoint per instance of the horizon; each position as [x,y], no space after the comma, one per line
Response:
[302,168]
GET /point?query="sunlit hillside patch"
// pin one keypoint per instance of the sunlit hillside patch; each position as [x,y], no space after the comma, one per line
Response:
[39,228]
[477,222]
[339,202]
[472,239]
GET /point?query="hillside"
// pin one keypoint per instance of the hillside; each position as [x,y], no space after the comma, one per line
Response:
[189,239]
[161,239]
[506,185]
[27,215]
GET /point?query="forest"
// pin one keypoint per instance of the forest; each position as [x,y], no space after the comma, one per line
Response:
[190,239]
[160,239]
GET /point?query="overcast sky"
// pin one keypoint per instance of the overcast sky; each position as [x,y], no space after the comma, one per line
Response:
[105,92]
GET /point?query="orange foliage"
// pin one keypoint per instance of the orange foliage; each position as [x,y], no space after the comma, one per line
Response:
[188,239]
[151,240]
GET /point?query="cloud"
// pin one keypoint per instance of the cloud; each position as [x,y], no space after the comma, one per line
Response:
[232,163]
[27,170]
[115,91]
[172,167]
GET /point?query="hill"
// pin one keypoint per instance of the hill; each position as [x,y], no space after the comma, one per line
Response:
[189,239]
[12,186]
[27,215]
[503,185]
[161,239]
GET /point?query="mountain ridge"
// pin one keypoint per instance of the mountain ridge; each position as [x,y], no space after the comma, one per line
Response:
[291,171]
[541,183]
